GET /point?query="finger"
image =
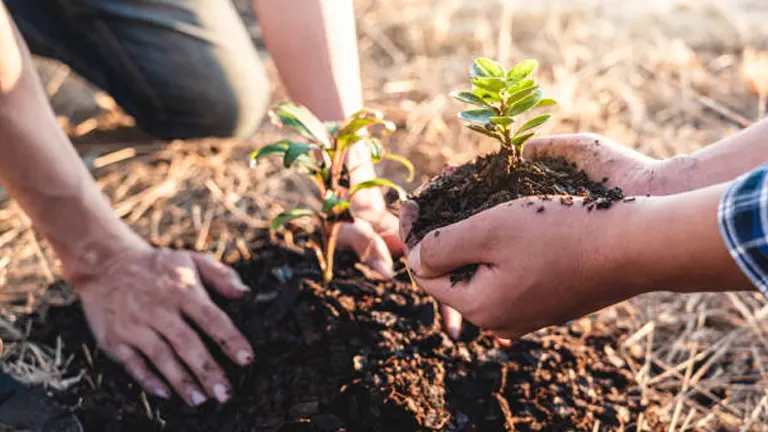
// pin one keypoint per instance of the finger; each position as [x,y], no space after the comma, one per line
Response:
[190,348]
[222,278]
[451,321]
[453,246]
[566,145]
[588,151]
[504,342]
[162,356]
[409,213]
[388,230]
[466,298]
[216,324]
[137,367]
[368,245]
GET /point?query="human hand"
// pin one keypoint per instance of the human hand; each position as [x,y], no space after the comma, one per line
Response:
[536,268]
[374,234]
[136,305]
[601,157]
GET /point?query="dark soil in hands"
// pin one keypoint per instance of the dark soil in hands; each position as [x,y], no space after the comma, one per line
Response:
[491,180]
[363,355]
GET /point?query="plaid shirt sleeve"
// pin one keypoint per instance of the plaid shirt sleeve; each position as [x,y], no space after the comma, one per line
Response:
[743,220]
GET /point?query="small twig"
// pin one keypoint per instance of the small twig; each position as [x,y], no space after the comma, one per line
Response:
[147,407]
[87,353]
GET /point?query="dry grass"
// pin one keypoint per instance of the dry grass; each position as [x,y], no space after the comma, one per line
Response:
[662,84]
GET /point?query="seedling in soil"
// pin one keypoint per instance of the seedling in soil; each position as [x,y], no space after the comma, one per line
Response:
[501,96]
[322,157]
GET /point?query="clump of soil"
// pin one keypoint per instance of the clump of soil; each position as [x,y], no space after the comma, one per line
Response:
[494,179]
[362,355]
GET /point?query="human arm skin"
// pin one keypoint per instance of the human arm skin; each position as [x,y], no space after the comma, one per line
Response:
[540,268]
[638,174]
[134,296]
[314,46]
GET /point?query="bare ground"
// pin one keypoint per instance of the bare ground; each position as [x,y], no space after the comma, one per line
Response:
[662,77]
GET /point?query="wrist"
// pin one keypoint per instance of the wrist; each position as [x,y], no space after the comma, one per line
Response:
[673,243]
[93,254]
[680,173]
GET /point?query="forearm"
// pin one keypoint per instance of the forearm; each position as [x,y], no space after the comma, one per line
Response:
[720,162]
[41,169]
[314,46]
[673,243]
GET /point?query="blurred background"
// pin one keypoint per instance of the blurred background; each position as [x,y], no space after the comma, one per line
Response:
[662,76]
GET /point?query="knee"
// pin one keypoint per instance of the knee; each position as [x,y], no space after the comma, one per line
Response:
[226,115]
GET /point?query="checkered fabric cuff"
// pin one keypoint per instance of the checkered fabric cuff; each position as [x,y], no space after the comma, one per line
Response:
[743,218]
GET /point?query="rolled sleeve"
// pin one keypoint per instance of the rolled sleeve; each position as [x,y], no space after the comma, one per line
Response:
[743,220]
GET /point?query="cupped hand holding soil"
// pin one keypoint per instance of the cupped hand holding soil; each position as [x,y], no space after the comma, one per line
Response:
[540,263]
[136,306]
[602,158]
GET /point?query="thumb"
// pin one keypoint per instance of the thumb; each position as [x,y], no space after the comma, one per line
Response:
[448,248]
[221,277]
[409,213]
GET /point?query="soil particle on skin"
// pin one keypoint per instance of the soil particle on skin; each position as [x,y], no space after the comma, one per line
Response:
[360,355]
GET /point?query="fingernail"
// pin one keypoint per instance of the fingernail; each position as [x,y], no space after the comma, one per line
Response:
[241,286]
[221,393]
[453,331]
[162,393]
[197,398]
[244,357]
[384,267]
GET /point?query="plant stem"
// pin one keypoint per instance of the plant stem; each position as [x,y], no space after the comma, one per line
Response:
[332,234]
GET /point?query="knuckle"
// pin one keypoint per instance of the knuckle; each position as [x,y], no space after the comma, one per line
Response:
[159,353]
[210,314]
[178,333]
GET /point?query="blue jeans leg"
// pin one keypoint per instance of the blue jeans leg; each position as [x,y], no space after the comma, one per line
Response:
[181,68]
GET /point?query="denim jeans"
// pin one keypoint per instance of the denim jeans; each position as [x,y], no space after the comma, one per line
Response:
[181,68]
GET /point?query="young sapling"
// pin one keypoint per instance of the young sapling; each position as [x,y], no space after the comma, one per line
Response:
[322,156]
[501,96]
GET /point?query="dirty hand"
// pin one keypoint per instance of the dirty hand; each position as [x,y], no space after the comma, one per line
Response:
[601,157]
[535,268]
[136,305]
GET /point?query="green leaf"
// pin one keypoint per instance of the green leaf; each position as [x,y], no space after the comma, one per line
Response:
[522,70]
[486,95]
[296,151]
[532,123]
[302,121]
[524,104]
[357,126]
[332,127]
[478,116]
[490,83]
[545,103]
[378,182]
[333,202]
[519,140]
[493,68]
[290,215]
[471,99]
[476,70]
[516,94]
[279,147]
[502,121]
[483,131]
[405,162]
[376,149]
